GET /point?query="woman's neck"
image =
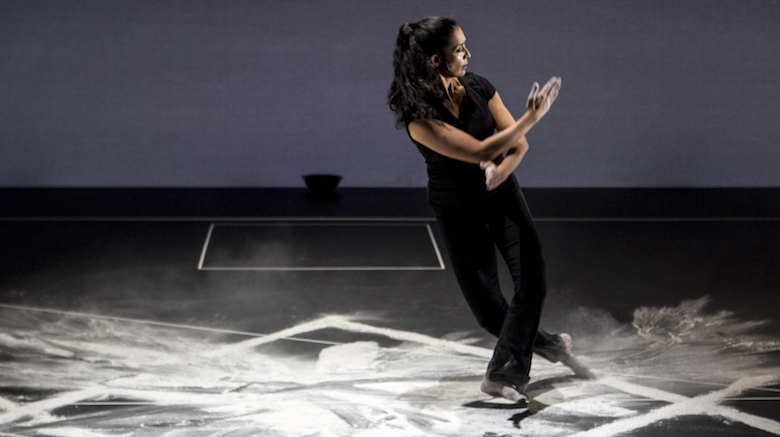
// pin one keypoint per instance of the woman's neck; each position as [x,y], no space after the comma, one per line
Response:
[456,94]
[451,84]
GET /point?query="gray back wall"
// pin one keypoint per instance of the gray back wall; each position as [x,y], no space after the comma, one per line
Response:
[198,93]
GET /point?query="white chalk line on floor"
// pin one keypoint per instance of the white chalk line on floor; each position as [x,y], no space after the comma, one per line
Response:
[707,404]
[338,322]
[154,323]
[687,381]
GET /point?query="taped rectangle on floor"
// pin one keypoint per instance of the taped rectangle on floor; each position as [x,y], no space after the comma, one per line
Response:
[320,246]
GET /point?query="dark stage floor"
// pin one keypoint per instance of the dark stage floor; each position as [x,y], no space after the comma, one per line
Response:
[297,316]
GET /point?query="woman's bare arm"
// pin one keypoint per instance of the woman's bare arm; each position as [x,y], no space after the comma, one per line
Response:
[457,144]
[495,175]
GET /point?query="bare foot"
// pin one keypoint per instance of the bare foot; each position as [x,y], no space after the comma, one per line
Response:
[502,389]
[574,363]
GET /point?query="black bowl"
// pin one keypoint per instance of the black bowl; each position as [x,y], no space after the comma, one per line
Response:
[322,183]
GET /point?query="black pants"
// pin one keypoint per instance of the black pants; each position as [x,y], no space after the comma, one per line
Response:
[471,236]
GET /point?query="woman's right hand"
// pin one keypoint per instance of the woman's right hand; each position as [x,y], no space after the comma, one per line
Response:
[493,177]
[540,100]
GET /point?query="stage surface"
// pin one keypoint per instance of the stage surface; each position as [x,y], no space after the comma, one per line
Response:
[277,314]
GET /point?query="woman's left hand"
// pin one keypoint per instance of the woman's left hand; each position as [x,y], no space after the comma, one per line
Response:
[493,176]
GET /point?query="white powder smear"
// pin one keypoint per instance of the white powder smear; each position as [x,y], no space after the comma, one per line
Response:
[348,358]
[74,432]
[397,387]
[58,371]
[603,406]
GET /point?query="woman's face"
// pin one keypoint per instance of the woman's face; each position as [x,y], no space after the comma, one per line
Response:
[456,55]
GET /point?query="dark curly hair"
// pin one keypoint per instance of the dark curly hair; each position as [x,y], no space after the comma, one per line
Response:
[416,87]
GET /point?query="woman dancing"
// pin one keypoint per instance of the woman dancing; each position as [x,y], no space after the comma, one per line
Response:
[452,116]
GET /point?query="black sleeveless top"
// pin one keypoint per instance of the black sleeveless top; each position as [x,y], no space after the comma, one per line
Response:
[454,184]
